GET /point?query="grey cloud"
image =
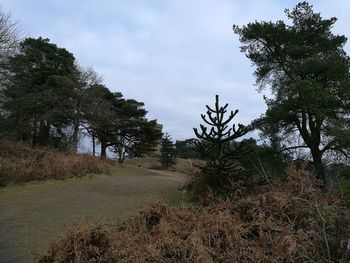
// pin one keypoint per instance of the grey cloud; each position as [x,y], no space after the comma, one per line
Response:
[172,55]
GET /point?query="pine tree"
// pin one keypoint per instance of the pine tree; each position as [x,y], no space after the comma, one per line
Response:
[167,152]
[307,69]
[218,147]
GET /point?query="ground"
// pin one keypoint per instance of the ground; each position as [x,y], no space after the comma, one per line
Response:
[35,214]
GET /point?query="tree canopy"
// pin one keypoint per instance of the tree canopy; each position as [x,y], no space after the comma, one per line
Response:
[119,123]
[48,99]
[38,93]
[307,69]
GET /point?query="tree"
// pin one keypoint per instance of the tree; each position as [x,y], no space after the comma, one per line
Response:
[39,91]
[100,110]
[185,149]
[9,36]
[219,148]
[118,123]
[266,160]
[307,69]
[86,78]
[167,152]
[135,138]
[136,141]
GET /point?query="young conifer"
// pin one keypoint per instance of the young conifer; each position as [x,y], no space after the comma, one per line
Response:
[167,152]
[217,145]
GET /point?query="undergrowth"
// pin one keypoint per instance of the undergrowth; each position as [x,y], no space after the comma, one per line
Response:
[19,163]
[292,221]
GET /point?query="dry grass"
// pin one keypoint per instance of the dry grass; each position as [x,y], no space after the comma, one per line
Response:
[186,166]
[20,163]
[33,215]
[285,222]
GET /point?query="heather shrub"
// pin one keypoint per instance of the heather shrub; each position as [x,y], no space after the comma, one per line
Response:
[20,163]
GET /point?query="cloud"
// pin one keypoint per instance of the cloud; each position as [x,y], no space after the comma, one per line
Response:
[172,55]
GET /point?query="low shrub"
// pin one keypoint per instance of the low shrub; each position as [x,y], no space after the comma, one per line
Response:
[20,163]
[285,222]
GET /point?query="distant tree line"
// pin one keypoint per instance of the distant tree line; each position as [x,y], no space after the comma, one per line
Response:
[47,99]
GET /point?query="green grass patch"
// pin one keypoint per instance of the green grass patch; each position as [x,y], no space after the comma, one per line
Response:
[34,214]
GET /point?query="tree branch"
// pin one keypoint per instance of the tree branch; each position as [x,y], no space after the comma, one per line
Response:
[293,147]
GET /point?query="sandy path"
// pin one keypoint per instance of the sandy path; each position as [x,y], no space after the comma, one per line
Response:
[32,216]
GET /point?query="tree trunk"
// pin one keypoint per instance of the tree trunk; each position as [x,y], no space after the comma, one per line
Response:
[73,148]
[35,135]
[93,145]
[318,165]
[19,130]
[313,142]
[103,148]
[44,133]
[121,155]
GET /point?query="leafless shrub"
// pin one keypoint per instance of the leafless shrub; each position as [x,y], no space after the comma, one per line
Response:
[9,38]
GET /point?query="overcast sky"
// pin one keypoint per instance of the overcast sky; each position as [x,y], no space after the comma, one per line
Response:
[172,55]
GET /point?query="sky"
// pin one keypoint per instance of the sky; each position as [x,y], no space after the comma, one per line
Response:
[174,56]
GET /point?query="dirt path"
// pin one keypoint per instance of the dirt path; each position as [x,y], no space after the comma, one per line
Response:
[32,216]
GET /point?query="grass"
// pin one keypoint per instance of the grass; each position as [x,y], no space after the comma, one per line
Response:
[34,214]
[182,165]
[292,221]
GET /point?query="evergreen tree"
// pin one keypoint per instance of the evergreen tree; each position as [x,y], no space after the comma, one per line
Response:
[38,94]
[185,149]
[218,147]
[307,69]
[167,152]
[118,123]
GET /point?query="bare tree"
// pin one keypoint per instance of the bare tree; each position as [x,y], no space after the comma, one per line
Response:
[86,77]
[9,38]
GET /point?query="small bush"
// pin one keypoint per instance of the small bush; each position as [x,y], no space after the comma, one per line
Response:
[20,163]
[91,241]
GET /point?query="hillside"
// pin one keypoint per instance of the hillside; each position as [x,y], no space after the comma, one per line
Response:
[283,222]
[20,163]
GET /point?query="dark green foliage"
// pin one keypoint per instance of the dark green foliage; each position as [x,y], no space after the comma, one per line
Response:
[119,123]
[268,161]
[218,147]
[137,138]
[38,94]
[167,152]
[100,110]
[307,69]
[186,149]
[48,98]
[146,137]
